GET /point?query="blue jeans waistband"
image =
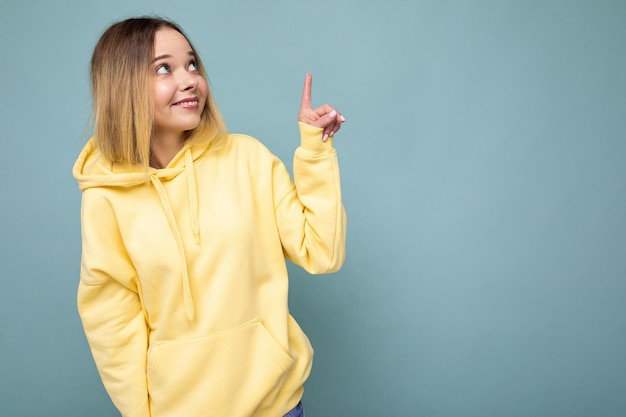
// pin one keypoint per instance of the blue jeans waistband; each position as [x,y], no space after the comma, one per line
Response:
[297,411]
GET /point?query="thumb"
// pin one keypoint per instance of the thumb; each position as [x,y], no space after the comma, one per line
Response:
[327,119]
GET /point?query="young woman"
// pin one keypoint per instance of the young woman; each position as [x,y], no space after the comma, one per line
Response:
[183,286]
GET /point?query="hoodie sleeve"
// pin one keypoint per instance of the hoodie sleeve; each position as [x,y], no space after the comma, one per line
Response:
[311,217]
[110,308]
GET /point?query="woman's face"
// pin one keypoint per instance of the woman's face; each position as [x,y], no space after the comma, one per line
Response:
[179,90]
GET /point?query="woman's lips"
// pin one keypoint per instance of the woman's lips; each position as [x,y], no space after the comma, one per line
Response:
[188,103]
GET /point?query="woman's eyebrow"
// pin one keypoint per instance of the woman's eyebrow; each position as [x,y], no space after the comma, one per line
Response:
[161,57]
[165,56]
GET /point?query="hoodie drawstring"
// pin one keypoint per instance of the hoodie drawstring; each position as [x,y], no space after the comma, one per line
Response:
[193,195]
[193,213]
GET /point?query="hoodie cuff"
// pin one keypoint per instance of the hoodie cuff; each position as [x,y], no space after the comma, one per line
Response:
[311,140]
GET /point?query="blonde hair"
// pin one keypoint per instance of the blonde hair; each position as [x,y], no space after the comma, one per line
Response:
[121,77]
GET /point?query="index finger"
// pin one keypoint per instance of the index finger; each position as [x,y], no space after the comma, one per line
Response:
[306,92]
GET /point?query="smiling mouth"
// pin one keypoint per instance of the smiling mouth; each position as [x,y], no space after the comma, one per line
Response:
[189,103]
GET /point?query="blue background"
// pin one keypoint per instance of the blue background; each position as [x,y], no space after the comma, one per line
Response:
[483,166]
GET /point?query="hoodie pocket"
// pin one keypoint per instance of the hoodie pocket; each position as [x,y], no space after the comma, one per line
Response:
[230,373]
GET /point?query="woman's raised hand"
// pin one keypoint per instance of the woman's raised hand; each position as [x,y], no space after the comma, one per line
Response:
[324,116]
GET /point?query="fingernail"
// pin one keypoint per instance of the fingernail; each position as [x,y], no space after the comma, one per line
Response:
[332,114]
[324,138]
[332,133]
[343,119]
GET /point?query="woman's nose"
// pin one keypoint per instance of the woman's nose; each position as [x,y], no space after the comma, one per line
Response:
[188,82]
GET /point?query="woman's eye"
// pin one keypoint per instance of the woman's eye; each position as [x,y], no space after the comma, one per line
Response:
[193,66]
[163,69]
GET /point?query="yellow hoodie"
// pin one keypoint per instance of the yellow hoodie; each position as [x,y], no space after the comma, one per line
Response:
[183,285]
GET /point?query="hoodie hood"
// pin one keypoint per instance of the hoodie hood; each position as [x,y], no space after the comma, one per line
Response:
[93,170]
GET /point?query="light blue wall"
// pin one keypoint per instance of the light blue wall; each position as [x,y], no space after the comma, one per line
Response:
[483,166]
